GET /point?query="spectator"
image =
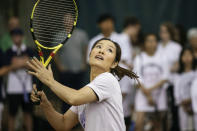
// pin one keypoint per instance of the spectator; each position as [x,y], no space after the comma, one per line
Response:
[106,25]
[125,83]
[126,44]
[151,96]
[133,29]
[5,40]
[167,45]
[182,86]
[171,49]
[192,39]
[19,83]
[71,61]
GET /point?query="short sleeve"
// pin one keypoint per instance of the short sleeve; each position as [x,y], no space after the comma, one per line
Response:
[102,85]
[166,73]
[177,51]
[74,109]
[126,48]
[137,67]
[126,84]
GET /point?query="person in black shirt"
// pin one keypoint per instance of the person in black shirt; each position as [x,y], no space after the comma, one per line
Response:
[19,83]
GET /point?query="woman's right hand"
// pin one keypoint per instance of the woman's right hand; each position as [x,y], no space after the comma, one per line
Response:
[150,100]
[40,96]
[146,91]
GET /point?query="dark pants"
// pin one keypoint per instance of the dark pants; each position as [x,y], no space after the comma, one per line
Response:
[17,100]
[173,109]
[72,80]
[41,124]
[127,121]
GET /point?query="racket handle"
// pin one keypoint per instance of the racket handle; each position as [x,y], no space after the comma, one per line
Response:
[39,88]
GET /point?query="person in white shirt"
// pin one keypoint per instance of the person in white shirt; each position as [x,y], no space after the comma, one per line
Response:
[126,41]
[106,25]
[98,105]
[135,34]
[182,82]
[19,82]
[171,49]
[150,65]
[168,47]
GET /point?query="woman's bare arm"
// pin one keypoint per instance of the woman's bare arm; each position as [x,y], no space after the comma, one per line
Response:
[158,85]
[69,95]
[72,96]
[61,122]
[58,121]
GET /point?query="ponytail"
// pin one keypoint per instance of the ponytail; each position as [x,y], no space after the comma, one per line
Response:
[121,72]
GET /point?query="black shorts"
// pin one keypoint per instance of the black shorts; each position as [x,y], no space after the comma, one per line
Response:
[127,121]
[17,100]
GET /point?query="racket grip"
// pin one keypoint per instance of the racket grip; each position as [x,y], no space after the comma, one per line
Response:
[39,88]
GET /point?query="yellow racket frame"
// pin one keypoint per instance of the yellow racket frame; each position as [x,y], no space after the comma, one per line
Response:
[54,48]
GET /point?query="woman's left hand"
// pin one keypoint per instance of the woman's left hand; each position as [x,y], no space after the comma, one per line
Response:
[42,73]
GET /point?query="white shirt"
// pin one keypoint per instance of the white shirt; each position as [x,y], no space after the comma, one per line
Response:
[151,69]
[182,85]
[126,48]
[194,95]
[171,51]
[126,84]
[107,113]
[17,78]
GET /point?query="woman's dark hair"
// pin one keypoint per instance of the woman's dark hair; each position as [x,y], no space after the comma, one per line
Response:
[16,31]
[119,71]
[145,38]
[131,21]
[149,34]
[182,34]
[105,17]
[181,64]
[170,28]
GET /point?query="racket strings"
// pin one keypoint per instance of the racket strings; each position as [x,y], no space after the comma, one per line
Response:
[53,21]
[54,11]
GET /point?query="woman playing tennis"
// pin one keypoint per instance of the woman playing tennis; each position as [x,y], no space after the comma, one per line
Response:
[98,105]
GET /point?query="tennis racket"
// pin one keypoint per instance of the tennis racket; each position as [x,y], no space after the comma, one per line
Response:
[51,25]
